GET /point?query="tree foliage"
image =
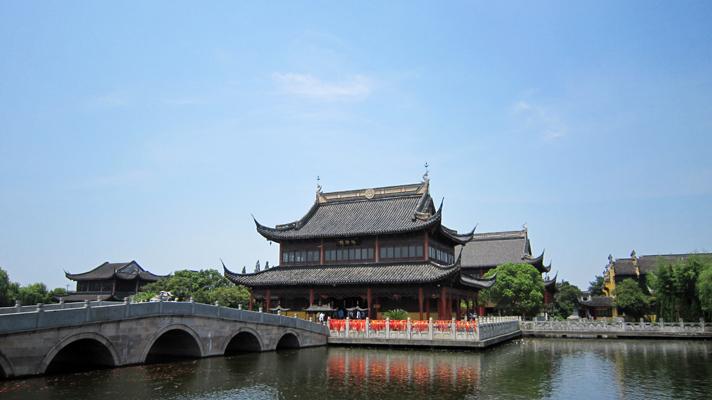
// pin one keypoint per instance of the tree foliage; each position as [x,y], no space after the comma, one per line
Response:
[565,300]
[6,289]
[631,299]
[519,290]
[596,286]
[396,314]
[204,286]
[681,288]
[704,290]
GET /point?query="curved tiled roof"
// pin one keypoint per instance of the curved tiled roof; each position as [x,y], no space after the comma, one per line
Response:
[344,275]
[125,271]
[490,249]
[365,212]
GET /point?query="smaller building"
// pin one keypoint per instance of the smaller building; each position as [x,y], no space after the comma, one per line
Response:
[110,281]
[485,251]
[595,306]
[636,268]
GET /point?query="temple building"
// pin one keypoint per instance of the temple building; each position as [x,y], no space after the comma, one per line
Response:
[486,251]
[110,281]
[374,250]
[633,267]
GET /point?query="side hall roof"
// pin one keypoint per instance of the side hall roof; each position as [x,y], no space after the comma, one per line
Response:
[365,212]
[124,271]
[490,249]
[648,263]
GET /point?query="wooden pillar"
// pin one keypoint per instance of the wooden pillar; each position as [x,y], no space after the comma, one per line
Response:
[458,311]
[268,298]
[251,302]
[377,255]
[443,303]
[448,312]
[368,301]
[420,303]
[426,243]
[321,253]
[427,307]
[311,297]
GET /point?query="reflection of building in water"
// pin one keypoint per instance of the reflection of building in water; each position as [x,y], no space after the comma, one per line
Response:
[456,371]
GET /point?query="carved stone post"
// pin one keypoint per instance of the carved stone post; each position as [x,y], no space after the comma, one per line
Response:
[453,329]
[40,310]
[388,328]
[88,308]
[368,326]
[409,329]
[347,327]
[430,328]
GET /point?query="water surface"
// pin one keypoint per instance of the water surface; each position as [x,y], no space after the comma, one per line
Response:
[522,369]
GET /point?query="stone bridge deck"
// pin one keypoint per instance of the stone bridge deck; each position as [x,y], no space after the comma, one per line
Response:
[40,340]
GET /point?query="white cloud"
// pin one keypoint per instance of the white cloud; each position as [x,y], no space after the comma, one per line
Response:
[304,85]
[545,121]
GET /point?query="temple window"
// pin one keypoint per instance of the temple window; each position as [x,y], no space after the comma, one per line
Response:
[401,252]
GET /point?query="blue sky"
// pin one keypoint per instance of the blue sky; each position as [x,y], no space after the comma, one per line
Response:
[152,130]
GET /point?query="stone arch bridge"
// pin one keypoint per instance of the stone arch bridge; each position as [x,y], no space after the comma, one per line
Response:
[79,336]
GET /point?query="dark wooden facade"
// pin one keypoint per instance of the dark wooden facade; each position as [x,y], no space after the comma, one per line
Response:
[378,249]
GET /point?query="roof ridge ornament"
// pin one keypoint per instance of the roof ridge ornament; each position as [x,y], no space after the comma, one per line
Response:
[426,176]
[318,185]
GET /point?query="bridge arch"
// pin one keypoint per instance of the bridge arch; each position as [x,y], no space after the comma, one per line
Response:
[289,340]
[6,370]
[245,340]
[83,351]
[173,342]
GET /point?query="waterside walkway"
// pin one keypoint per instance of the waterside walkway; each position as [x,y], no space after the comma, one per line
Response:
[478,333]
[610,330]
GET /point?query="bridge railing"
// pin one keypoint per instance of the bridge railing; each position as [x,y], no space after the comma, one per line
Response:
[54,306]
[45,317]
[474,330]
[604,326]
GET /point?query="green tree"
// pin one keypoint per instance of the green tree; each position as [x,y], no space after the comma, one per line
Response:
[7,296]
[519,290]
[704,290]
[396,314]
[143,296]
[566,299]
[675,285]
[230,296]
[56,293]
[631,299]
[596,286]
[204,286]
[33,294]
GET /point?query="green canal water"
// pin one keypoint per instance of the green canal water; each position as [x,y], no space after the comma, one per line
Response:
[521,369]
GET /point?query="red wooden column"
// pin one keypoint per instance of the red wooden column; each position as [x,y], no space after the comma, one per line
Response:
[251,302]
[426,243]
[268,298]
[427,307]
[458,311]
[420,303]
[377,255]
[368,301]
[443,302]
[321,253]
[311,297]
